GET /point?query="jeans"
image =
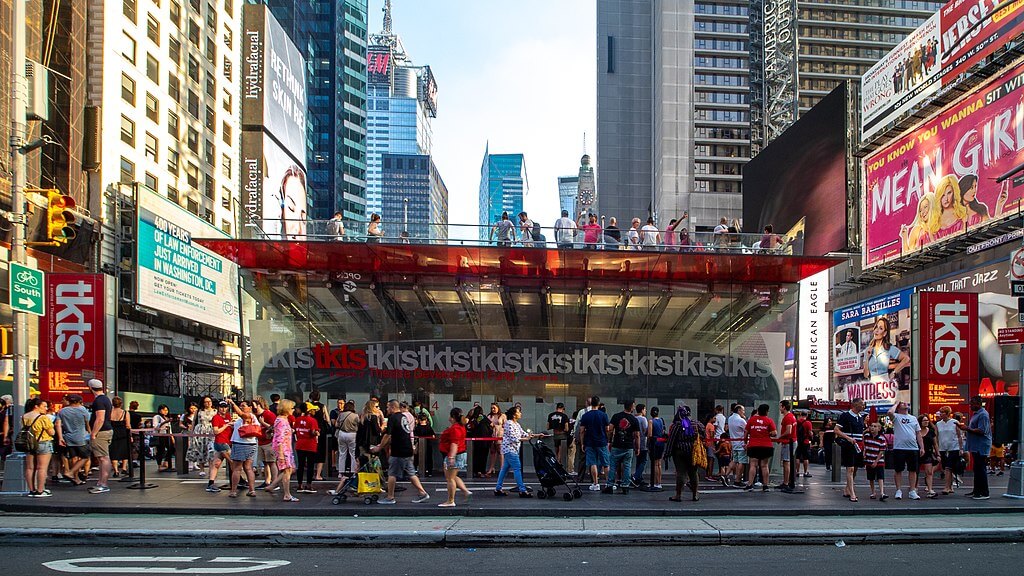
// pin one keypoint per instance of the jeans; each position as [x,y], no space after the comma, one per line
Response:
[978,461]
[347,450]
[511,463]
[622,456]
[641,465]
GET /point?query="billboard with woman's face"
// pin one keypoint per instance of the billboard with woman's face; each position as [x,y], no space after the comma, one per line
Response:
[273,189]
[871,350]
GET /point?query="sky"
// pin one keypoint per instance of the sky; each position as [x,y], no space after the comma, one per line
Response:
[519,75]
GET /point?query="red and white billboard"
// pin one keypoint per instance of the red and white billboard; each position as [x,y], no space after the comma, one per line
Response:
[71,335]
[949,349]
[938,181]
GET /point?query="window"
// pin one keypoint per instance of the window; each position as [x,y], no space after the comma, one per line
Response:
[225,166]
[211,50]
[211,87]
[225,227]
[152,108]
[153,29]
[211,17]
[174,51]
[195,5]
[127,89]
[193,69]
[225,199]
[127,131]
[229,6]
[208,215]
[172,162]
[210,154]
[173,87]
[211,118]
[192,206]
[227,68]
[130,10]
[151,182]
[209,187]
[193,104]
[173,125]
[228,37]
[128,50]
[226,102]
[192,175]
[226,133]
[193,32]
[176,13]
[172,195]
[151,146]
[152,68]
[127,171]
[193,139]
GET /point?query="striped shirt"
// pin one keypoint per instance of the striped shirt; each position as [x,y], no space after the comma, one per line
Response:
[873,446]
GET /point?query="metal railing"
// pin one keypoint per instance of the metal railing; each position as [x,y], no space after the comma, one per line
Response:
[534,237]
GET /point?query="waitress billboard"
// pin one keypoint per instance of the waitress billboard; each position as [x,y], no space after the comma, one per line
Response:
[871,350]
[939,181]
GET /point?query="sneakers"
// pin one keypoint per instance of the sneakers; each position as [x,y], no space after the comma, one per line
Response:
[99,490]
[932,494]
[979,497]
[657,487]
[500,493]
[898,495]
[421,498]
[212,489]
[913,495]
[596,487]
[387,501]
[526,494]
[883,498]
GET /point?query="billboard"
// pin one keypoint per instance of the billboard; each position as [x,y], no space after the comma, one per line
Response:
[802,174]
[812,367]
[960,35]
[180,277]
[871,350]
[378,65]
[72,335]
[780,68]
[938,181]
[428,91]
[274,190]
[949,350]
[273,82]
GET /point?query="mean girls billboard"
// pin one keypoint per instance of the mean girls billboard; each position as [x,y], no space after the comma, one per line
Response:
[939,181]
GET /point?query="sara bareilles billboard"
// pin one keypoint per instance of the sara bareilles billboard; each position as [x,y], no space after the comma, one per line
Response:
[939,180]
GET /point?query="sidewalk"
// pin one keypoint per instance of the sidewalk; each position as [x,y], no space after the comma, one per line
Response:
[208,530]
[184,495]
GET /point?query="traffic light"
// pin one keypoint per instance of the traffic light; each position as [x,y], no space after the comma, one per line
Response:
[59,216]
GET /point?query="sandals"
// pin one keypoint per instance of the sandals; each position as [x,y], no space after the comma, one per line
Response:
[251,493]
[233,495]
[290,499]
[854,499]
[674,499]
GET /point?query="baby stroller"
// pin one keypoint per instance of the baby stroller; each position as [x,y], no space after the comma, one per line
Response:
[368,483]
[551,474]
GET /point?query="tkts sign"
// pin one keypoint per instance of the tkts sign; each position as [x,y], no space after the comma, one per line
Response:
[71,335]
[949,349]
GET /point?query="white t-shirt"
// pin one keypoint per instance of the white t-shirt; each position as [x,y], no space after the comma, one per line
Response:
[905,429]
[737,429]
[948,435]
[236,438]
[634,239]
[642,420]
[721,229]
[650,234]
[565,230]
[719,425]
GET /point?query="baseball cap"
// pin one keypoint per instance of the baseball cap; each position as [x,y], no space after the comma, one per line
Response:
[95,384]
[7,398]
[310,407]
[223,404]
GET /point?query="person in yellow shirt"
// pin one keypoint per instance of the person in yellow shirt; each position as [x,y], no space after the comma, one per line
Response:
[37,461]
[997,460]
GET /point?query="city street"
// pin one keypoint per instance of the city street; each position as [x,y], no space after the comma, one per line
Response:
[990,559]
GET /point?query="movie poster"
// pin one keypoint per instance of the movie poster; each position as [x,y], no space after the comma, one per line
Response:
[871,350]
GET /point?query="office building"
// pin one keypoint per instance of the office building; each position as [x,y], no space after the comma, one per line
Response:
[503,187]
[332,37]
[568,188]
[415,199]
[834,40]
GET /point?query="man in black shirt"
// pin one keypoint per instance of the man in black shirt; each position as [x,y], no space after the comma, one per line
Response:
[558,423]
[625,433]
[849,433]
[398,435]
[101,433]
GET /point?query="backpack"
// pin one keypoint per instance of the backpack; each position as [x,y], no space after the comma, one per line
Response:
[26,441]
[536,231]
[801,433]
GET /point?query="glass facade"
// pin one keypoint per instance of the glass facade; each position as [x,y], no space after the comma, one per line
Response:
[568,186]
[396,125]
[414,198]
[503,186]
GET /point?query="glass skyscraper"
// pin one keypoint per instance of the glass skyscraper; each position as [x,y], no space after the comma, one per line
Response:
[503,187]
[415,199]
[568,187]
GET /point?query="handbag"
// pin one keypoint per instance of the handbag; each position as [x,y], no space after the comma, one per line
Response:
[700,454]
[252,430]
[26,441]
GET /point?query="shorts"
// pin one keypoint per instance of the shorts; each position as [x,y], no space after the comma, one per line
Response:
[951,460]
[460,462]
[656,450]
[876,472]
[267,454]
[928,458]
[45,447]
[598,456]
[851,457]
[221,448]
[560,437]
[78,451]
[100,444]
[760,452]
[724,461]
[397,466]
[784,451]
[906,460]
[739,455]
[242,452]
[803,452]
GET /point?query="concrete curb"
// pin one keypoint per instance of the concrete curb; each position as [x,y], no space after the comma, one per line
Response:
[488,538]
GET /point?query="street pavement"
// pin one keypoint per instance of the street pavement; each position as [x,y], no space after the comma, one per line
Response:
[806,560]
[816,496]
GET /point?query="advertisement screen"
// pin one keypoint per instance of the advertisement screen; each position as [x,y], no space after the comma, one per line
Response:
[72,335]
[802,173]
[378,65]
[871,350]
[949,350]
[180,277]
[273,82]
[428,91]
[938,181]
[273,188]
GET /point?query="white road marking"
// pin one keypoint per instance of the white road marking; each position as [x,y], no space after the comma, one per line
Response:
[158,565]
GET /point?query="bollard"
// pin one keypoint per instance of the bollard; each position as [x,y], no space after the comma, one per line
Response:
[14,475]
[837,463]
[180,447]
[142,484]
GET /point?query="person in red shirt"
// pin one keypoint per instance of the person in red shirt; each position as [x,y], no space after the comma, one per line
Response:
[306,432]
[453,446]
[804,434]
[221,443]
[758,439]
[266,451]
[787,439]
[592,232]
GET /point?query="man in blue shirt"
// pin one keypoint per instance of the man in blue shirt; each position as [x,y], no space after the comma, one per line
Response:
[979,443]
[594,432]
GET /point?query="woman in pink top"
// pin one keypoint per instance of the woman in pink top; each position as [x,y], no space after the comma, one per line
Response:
[282,446]
[977,211]
[592,232]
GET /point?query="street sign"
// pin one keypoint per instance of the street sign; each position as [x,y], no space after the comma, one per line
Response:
[1017,288]
[27,289]
[1017,265]
[1008,336]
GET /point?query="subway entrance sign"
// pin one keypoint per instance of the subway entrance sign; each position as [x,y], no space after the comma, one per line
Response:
[27,289]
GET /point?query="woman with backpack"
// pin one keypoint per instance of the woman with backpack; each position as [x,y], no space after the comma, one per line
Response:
[37,434]
[656,446]
[684,437]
